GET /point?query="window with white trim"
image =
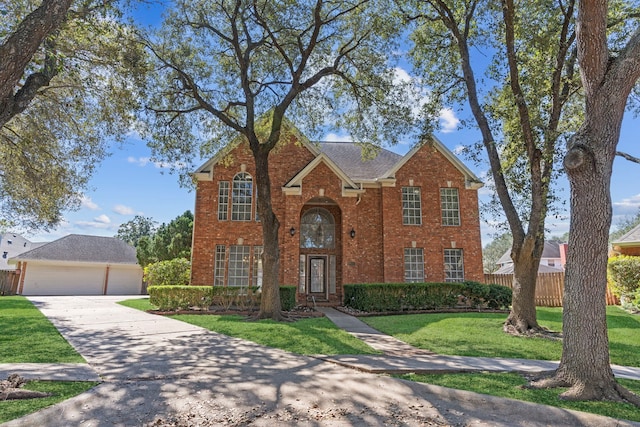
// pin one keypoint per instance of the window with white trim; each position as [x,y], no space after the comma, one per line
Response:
[241,197]
[453,265]
[223,200]
[218,273]
[450,206]
[411,206]
[256,273]
[413,265]
[238,272]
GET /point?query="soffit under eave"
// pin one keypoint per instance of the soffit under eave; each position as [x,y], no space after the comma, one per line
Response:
[471,180]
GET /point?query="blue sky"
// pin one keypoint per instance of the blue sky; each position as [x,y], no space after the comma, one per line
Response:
[127,183]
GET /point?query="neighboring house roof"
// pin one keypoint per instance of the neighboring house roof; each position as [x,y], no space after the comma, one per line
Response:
[82,248]
[631,238]
[551,250]
[508,269]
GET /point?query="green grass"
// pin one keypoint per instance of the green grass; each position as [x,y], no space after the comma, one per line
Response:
[305,336]
[480,334]
[511,386]
[61,390]
[27,336]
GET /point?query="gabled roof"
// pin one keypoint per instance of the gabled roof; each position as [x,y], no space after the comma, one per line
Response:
[551,250]
[348,157]
[294,186]
[471,180]
[82,248]
[631,238]
[542,268]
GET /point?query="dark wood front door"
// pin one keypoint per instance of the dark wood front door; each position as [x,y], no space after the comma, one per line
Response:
[317,275]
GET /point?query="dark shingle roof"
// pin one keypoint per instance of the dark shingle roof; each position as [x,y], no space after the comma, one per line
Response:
[82,248]
[633,236]
[348,156]
[551,250]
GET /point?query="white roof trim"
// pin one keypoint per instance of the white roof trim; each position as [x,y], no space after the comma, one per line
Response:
[471,180]
[296,181]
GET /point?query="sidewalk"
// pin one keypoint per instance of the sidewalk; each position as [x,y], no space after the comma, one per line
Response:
[399,357]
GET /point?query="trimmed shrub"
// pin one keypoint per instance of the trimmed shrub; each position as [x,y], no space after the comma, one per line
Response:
[288,297]
[623,273]
[172,298]
[397,297]
[380,297]
[175,272]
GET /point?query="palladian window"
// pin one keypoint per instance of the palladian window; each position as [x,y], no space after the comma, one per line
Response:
[317,229]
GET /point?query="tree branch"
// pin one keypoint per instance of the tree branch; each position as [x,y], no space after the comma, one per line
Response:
[628,157]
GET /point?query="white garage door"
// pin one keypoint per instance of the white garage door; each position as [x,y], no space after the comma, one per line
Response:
[124,281]
[63,280]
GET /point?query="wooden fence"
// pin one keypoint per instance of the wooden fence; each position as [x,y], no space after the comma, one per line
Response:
[8,282]
[549,288]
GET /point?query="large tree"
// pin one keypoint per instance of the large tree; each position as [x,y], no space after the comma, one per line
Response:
[63,91]
[608,77]
[222,65]
[519,106]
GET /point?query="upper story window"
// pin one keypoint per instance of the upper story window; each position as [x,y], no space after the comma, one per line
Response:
[241,197]
[453,265]
[450,206]
[223,200]
[317,229]
[411,206]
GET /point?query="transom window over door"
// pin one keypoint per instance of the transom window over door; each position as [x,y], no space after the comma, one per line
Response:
[317,229]
[241,197]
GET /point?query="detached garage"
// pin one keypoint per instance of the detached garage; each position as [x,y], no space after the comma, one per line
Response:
[79,265]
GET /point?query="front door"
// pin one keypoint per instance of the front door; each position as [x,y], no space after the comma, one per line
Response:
[318,276]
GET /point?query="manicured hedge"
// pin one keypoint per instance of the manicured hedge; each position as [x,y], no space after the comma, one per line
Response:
[172,298]
[396,297]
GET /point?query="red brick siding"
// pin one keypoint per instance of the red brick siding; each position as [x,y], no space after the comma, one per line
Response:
[376,254]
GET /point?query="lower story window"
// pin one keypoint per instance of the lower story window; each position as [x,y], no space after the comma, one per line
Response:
[238,274]
[218,273]
[413,265]
[453,265]
[256,277]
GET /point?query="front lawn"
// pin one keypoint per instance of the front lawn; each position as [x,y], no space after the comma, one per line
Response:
[27,336]
[511,385]
[480,334]
[304,336]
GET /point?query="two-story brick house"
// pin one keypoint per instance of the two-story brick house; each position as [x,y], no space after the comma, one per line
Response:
[344,217]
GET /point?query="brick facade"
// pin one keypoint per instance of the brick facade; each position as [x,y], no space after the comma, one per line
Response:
[372,210]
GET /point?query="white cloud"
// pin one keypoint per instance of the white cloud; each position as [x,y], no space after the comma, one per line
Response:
[448,120]
[102,219]
[123,210]
[144,161]
[628,206]
[334,137]
[86,202]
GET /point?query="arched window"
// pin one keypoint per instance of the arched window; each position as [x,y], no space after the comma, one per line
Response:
[317,229]
[241,197]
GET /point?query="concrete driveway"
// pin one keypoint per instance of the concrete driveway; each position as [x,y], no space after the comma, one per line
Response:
[161,372]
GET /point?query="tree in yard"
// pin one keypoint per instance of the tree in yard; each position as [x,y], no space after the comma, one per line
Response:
[134,230]
[524,107]
[63,91]
[608,77]
[224,64]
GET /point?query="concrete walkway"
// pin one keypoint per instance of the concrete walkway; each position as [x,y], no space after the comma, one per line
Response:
[156,371]
[400,357]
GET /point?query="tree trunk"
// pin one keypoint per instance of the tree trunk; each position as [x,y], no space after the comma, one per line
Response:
[526,259]
[584,366]
[270,307]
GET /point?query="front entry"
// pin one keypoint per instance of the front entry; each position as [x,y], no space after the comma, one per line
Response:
[319,249]
[318,276]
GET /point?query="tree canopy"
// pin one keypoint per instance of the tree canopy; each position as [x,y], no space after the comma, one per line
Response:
[229,68]
[64,93]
